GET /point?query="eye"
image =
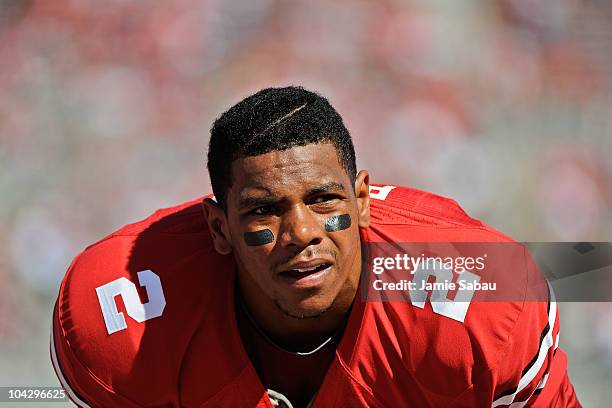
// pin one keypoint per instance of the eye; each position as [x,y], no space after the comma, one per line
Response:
[264,210]
[327,198]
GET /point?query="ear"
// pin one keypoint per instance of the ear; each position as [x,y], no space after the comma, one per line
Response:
[362,193]
[217,224]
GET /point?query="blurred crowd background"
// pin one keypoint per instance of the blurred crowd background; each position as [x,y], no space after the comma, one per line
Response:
[105,111]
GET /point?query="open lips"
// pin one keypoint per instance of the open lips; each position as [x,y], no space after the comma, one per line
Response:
[304,271]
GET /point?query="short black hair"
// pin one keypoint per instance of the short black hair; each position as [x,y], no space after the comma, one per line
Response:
[270,120]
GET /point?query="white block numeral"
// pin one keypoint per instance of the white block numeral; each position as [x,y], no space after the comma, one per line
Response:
[115,321]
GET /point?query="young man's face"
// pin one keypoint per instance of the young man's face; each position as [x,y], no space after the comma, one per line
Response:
[309,257]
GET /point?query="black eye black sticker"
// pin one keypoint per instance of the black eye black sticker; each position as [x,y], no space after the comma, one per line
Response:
[257,238]
[338,223]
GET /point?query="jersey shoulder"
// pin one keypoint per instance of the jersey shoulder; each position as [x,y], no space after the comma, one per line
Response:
[428,335]
[131,304]
[424,216]
[184,218]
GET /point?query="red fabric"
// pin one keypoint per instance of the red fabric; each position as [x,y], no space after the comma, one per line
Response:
[391,354]
[560,393]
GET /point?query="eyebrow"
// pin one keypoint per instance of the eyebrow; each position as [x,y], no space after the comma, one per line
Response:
[329,187]
[248,201]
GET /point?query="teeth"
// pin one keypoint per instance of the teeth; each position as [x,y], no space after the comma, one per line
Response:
[307,270]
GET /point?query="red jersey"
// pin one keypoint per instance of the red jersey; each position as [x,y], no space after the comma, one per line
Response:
[146,317]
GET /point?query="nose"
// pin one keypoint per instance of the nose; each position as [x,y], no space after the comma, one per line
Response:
[300,228]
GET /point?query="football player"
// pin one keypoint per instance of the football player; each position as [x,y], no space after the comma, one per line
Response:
[250,297]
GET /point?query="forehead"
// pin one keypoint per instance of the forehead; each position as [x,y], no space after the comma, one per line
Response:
[287,171]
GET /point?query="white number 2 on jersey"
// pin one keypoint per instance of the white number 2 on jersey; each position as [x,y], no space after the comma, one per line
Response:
[440,303]
[115,321]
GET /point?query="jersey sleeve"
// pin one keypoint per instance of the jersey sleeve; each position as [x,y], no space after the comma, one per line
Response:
[115,341]
[82,385]
[532,369]
[131,311]
[513,339]
[532,361]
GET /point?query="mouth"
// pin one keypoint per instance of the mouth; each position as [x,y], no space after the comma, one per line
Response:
[306,275]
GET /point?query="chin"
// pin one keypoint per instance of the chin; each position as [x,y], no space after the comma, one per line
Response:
[306,309]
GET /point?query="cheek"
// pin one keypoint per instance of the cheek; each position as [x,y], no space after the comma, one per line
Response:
[255,260]
[348,244]
[342,230]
